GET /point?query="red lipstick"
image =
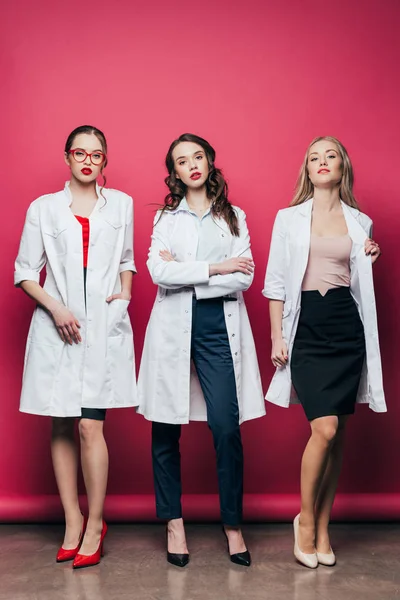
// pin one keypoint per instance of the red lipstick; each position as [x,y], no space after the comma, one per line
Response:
[86,171]
[195,176]
[324,171]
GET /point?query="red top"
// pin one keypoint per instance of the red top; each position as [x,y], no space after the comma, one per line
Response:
[84,221]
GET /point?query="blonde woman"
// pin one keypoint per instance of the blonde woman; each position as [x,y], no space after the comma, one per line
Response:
[323,327]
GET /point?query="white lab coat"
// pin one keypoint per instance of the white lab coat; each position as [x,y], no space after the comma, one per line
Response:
[99,372]
[168,387]
[283,281]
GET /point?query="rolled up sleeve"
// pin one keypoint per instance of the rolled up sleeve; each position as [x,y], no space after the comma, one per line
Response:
[127,262]
[274,284]
[31,255]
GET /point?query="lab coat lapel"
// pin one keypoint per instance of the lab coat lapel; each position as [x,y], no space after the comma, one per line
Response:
[301,234]
[356,231]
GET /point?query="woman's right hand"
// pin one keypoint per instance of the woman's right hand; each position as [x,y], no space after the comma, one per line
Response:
[279,354]
[240,264]
[67,325]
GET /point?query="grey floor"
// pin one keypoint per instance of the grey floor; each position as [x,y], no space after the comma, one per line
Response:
[134,566]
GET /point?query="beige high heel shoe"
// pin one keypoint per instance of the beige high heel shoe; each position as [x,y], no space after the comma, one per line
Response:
[329,560]
[308,560]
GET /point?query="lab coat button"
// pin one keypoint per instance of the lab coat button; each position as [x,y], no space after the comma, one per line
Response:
[233,335]
[230,314]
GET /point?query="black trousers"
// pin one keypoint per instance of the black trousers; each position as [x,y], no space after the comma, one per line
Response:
[212,357]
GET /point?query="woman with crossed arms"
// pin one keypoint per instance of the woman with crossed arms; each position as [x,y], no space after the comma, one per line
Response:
[200,259]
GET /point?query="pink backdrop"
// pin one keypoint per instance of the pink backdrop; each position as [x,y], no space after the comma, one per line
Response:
[259,80]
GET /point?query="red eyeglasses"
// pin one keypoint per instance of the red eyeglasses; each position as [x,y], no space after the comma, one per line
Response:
[96,158]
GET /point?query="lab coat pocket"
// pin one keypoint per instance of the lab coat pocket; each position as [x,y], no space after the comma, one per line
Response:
[116,317]
[44,330]
[121,368]
[40,371]
[111,231]
[55,240]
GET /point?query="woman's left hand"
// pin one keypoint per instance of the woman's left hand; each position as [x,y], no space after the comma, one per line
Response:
[166,256]
[372,249]
[121,296]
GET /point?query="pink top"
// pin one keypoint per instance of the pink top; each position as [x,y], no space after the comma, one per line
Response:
[328,263]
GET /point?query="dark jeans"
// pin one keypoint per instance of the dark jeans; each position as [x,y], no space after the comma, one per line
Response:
[212,357]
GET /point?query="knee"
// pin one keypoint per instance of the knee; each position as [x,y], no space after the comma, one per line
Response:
[226,432]
[326,432]
[89,430]
[62,428]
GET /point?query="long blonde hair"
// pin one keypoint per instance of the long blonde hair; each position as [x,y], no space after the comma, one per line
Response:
[304,188]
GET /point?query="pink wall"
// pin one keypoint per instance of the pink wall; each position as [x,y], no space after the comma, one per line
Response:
[259,80]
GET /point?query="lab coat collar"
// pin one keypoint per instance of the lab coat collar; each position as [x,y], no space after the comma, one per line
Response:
[351,215]
[68,195]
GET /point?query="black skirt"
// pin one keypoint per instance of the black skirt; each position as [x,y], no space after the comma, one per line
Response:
[328,353]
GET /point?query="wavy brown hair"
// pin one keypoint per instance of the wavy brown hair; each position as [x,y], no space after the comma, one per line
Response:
[216,186]
[304,188]
[89,129]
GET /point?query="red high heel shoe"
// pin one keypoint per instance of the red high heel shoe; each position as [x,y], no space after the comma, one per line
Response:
[81,560]
[64,555]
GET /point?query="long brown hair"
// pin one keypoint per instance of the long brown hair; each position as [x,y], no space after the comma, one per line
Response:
[304,188]
[89,129]
[216,186]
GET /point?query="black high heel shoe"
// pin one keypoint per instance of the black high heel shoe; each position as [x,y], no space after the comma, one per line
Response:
[240,558]
[179,560]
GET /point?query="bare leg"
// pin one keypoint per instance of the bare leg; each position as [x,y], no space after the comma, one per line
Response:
[327,491]
[65,464]
[94,457]
[235,539]
[176,537]
[313,465]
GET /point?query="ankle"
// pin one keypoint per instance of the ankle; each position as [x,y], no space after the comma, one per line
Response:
[306,520]
[73,517]
[94,523]
[175,520]
[175,525]
[232,530]
[322,536]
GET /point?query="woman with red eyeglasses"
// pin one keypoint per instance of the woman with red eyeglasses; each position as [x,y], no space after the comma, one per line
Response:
[79,358]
